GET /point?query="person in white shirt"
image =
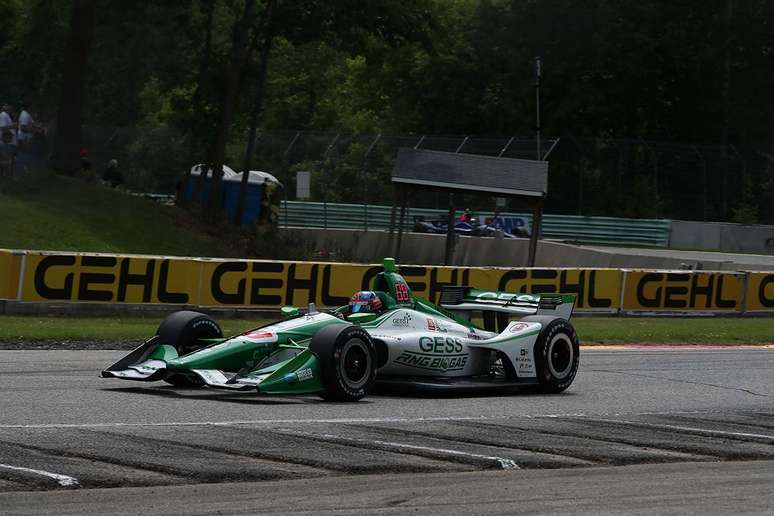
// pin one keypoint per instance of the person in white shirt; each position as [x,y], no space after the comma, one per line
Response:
[24,134]
[6,122]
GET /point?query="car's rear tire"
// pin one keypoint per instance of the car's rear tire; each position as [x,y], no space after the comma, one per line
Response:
[348,361]
[556,353]
[184,330]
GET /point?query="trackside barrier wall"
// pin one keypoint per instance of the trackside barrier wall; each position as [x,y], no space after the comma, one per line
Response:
[681,291]
[760,292]
[34,276]
[10,263]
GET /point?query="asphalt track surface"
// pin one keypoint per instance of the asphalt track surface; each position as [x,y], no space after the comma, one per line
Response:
[640,431]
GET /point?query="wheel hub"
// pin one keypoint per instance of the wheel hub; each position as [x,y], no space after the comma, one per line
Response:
[560,356]
[355,363]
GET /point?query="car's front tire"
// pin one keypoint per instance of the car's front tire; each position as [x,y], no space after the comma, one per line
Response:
[348,361]
[184,330]
[556,353]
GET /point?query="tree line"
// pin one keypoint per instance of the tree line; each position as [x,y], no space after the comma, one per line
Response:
[215,70]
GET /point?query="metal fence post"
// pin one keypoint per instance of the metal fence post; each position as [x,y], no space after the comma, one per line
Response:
[724,182]
[619,174]
[703,181]
[464,141]
[365,179]
[551,148]
[287,220]
[325,157]
[286,158]
[654,161]
[581,164]
[291,144]
[744,181]
[502,151]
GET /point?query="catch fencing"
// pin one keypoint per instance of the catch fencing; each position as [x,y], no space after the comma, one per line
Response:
[613,177]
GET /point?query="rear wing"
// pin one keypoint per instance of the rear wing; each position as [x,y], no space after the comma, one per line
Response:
[468,299]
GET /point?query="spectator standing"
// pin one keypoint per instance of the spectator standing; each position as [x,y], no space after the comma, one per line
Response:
[7,154]
[6,122]
[24,134]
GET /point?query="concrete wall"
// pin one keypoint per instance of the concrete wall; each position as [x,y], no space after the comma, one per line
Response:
[722,236]
[427,249]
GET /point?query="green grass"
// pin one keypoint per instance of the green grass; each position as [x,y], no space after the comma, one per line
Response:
[98,329]
[699,330]
[45,211]
[592,330]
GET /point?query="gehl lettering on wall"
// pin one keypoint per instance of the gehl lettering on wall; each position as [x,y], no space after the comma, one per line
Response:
[760,291]
[765,291]
[272,284]
[594,289]
[682,291]
[104,278]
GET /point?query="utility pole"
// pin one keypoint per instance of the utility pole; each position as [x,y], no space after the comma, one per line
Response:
[537,103]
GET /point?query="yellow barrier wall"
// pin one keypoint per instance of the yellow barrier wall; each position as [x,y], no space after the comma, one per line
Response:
[271,284]
[683,291]
[9,274]
[110,279]
[760,291]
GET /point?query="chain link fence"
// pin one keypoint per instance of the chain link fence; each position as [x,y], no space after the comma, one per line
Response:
[603,176]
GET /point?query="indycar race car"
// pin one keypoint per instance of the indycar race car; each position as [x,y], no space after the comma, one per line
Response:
[385,335]
[512,227]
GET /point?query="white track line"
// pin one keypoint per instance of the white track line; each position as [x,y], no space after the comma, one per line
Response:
[63,480]
[255,422]
[351,420]
[503,462]
[706,431]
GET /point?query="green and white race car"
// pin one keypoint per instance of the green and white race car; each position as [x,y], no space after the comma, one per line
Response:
[385,335]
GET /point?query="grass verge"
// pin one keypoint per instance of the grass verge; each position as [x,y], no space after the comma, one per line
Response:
[47,211]
[689,330]
[32,328]
[592,330]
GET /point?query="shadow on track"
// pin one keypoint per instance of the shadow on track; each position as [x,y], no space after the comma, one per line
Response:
[245,398]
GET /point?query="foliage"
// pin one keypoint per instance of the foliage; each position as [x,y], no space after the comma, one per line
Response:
[153,160]
[682,72]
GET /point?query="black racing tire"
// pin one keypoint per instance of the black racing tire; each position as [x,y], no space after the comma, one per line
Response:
[183,330]
[557,353]
[348,361]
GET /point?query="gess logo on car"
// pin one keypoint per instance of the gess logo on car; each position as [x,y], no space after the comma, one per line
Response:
[440,344]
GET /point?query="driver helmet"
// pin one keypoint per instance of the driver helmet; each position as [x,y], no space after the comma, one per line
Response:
[365,301]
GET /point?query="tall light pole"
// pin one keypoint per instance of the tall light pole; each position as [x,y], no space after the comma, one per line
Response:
[537,103]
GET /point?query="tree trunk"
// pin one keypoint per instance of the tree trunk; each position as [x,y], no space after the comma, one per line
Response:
[196,106]
[239,54]
[257,106]
[77,50]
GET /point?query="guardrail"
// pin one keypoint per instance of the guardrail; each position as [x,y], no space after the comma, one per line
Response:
[584,230]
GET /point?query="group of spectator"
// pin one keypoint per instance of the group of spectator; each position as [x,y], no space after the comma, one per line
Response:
[14,135]
[19,131]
